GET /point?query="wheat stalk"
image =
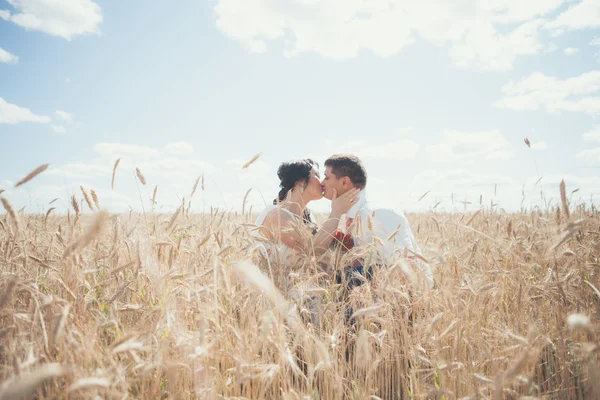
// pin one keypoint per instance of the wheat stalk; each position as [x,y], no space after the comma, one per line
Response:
[195,187]
[96,200]
[252,160]
[32,174]
[87,198]
[140,176]
[88,235]
[89,383]
[75,204]
[11,211]
[473,217]
[27,383]
[154,195]
[114,173]
[173,218]
[244,201]
[563,199]
[47,214]
[8,291]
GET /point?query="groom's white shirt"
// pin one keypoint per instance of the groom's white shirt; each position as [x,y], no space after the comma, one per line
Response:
[384,222]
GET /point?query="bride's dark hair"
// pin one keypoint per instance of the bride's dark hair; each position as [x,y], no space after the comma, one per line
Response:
[290,173]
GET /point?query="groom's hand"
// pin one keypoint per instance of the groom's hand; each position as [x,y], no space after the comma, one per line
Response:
[341,205]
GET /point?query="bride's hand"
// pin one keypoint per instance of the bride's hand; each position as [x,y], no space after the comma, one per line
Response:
[341,205]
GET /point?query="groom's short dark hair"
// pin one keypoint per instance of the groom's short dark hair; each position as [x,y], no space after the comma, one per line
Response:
[350,166]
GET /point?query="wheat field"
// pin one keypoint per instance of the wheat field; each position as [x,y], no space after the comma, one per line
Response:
[187,306]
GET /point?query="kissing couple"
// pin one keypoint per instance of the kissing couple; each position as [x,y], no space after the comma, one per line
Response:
[350,226]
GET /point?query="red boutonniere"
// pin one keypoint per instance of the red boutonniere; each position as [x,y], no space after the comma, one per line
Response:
[343,239]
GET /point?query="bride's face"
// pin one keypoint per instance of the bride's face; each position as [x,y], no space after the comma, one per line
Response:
[313,189]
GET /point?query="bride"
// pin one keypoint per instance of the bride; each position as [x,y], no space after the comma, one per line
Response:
[293,234]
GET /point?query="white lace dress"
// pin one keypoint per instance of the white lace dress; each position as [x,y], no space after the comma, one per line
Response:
[284,263]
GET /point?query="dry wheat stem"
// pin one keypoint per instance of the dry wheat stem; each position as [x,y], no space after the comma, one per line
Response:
[96,200]
[563,199]
[252,160]
[173,218]
[244,201]
[26,384]
[88,235]
[75,205]
[87,198]
[48,214]
[114,173]
[11,211]
[195,186]
[32,174]
[140,176]
[9,289]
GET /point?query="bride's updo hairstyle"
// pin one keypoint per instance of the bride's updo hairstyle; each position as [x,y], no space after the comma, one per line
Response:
[290,173]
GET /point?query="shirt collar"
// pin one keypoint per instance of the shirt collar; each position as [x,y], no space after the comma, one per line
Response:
[362,202]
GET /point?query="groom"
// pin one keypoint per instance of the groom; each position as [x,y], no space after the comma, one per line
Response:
[344,172]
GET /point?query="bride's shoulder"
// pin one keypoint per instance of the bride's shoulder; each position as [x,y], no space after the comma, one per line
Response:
[273,213]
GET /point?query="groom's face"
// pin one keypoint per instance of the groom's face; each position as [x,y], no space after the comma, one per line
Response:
[331,181]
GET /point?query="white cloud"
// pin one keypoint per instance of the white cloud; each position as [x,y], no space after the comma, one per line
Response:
[58,18]
[595,41]
[58,128]
[67,80]
[118,150]
[403,149]
[490,145]
[81,170]
[260,172]
[395,150]
[341,28]
[150,161]
[593,135]
[590,156]
[571,50]
[459,178]
[65,116]
[585,14]
[13,114]
[8,58]
[179,148]
[176,168]
[256,46]
[484,48]
[541,92]
[539,146]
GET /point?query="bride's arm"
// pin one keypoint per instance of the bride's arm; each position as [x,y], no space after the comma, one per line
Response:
[325,233]
[283,225]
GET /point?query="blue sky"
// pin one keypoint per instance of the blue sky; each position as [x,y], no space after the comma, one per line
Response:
[432,97]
